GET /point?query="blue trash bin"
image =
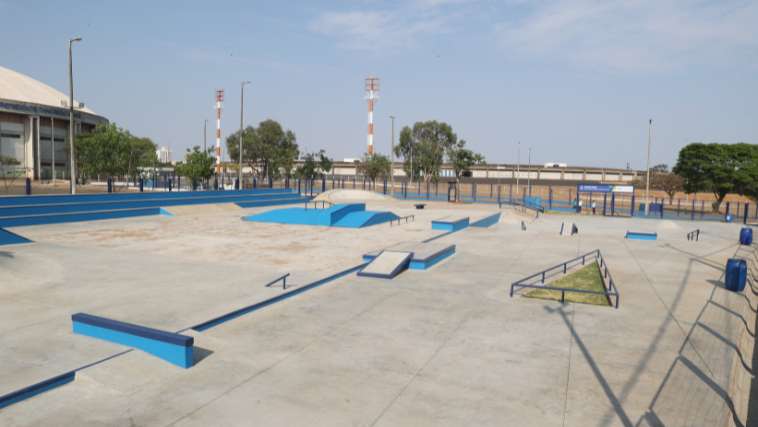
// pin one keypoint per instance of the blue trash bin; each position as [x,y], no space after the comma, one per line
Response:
[736,274]
[746,236]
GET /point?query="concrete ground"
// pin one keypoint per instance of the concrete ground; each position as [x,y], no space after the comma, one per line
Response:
[446,346]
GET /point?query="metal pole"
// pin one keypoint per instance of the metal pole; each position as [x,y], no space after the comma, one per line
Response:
[205,136]
[529,174]
[518,166]
[72,167]
[242,109]
[52,140]
[647,181]
[392,158]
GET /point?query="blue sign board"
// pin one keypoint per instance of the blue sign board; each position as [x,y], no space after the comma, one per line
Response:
[594,188]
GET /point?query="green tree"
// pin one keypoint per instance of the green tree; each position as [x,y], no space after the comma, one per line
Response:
[718,168]
[462,159]
[324,162]
[197,165]
[112,151]
[668,182]
[268,149]
[423,148]
[375,166]
[309,169]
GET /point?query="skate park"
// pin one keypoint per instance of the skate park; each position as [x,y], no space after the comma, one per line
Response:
[286,323]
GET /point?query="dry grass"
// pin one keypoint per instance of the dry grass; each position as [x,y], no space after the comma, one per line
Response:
[586,278]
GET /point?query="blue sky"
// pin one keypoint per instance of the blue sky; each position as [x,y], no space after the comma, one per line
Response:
[576,80]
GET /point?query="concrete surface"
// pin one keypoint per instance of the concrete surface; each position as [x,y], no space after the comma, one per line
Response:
[445,346]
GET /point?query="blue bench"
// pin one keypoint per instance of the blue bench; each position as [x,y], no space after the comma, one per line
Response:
[637,235]
[174,348]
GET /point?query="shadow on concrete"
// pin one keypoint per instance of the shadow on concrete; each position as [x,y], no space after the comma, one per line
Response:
[199,354]
[623,417]
[5,254]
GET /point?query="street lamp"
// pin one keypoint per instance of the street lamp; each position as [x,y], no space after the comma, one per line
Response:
[392,158]
[647,180]
[72,170]
[242,109]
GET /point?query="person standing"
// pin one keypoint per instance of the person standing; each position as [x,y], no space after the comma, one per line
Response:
[594,207]
[579,206]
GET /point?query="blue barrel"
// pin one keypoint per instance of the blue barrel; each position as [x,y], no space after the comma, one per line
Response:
[746,236]
[736,274]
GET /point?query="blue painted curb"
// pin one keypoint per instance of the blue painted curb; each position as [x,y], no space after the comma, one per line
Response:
[402,266]
[446,225]
[35,389]
[424,264]
[487,221]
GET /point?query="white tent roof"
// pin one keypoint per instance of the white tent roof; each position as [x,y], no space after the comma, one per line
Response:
[18,87]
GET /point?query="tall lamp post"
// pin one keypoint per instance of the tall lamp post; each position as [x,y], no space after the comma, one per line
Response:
[529,174]
[72,170]
[242,109]
[518,167]
[647,180]
[392,158]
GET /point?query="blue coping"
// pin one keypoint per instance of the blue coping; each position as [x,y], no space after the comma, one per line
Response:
[75,217]
[82,206]
[487,221]
[174,348]
[265,303]
[35,389]
[636,235]
[402,265]
[423,264]
[112,197]
[10,238]
[353,215]
[270,202]
[164,212]
[442,224]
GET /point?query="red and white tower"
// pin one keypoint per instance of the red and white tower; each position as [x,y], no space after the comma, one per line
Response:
[372,93]
[219,101]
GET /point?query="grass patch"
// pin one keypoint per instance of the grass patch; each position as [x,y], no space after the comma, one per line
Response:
[588,278]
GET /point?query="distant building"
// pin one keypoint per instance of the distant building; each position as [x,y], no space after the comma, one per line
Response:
[164,155]
[34,126]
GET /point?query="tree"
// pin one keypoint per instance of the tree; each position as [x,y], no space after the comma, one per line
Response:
[425,145]
[324,162]
[669,183]
[112,151]
[375,166]
[8,170]
[197,165]
[462,159]
[718,168]
[309,169]
[268,149]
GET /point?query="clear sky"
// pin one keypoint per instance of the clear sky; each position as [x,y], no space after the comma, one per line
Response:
[576,80]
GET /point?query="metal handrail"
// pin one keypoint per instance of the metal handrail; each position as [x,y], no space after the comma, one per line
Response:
[694,235]
[608,283]
[282,278]
[324,203]
[406,218]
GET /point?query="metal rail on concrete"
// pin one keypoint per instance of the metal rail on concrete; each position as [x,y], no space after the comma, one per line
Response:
[323,203]
[406,218]
[694,235]
[282,278]
[610,289]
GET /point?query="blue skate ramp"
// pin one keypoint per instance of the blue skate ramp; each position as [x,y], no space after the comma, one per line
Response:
[10,238]
[353,215]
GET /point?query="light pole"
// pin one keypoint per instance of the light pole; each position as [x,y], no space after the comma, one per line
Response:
[647,180]
[529,174]
[72,170]
[518,166]
[242,109]
[205,136]
[392,158]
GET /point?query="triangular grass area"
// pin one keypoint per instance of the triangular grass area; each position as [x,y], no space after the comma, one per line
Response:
[587,278]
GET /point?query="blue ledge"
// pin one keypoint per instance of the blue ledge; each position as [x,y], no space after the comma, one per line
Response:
[636,235]
[428,262]
[174,348]
[450,224]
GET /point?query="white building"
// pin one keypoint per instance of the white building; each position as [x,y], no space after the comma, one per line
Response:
[164,155]
[34,126]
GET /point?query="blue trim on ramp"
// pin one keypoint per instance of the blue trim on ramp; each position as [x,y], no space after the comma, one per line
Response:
[487,221]
[35,389]
[399,268]
[423,264]
[449,225]
[11,238]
